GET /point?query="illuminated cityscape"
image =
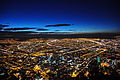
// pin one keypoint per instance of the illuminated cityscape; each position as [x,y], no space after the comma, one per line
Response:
[59,59]
[59,40]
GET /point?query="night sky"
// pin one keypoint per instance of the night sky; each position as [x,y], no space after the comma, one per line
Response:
[60,15]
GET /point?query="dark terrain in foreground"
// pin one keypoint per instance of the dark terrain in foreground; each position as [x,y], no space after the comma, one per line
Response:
[29,35]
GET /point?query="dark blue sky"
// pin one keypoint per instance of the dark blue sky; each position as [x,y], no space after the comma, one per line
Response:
[83,15]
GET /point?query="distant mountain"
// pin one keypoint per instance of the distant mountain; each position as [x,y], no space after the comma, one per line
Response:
[23,35]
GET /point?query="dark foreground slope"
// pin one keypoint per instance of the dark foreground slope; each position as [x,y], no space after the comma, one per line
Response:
[29,35]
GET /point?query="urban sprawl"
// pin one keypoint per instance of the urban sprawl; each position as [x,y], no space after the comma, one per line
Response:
[60,59]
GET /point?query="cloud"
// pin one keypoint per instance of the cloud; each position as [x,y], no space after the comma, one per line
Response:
[42,29]
[1,28]
[57,30]
[25,32]
[64,30]
[71,30]
[58,25]
[18,28]
[1,25]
